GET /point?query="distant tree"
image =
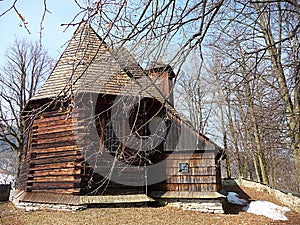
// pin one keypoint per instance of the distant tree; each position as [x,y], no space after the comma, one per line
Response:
[194,96]
[26,67]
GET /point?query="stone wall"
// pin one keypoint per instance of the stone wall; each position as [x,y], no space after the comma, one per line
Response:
[202,205]
[289,199]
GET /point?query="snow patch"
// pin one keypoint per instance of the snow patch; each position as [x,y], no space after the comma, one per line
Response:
[6,178]
[259,207]
[234,198]
[267,209]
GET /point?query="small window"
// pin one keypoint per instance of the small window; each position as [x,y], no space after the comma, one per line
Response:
[111,142]
[183,167]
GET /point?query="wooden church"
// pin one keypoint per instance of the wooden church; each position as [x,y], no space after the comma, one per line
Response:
[103,129]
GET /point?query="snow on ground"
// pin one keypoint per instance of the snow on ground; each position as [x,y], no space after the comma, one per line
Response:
[6,178]
[234,198]
[267,209]
[259,207]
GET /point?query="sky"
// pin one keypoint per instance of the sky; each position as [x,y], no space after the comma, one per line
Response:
[53,35]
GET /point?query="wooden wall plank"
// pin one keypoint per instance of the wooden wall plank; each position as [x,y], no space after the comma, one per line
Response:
[188,179]
[64,148]
[56,172]
[51,166]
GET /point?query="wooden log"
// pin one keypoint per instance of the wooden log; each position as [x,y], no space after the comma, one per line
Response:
[50,118]
[54,154]
[64,165]
[38,149]
[53,123]
[54,144]
[46,130]
[53,185]
[61,178]
[51,140]
[56,172]
[52,113]
[53,134]
[54,160]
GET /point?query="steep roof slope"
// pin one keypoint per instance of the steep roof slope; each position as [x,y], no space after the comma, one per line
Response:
[89,65]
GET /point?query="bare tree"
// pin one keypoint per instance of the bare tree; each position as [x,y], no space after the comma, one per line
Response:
[194,94]
[259,72]
[284,41]
[27,66]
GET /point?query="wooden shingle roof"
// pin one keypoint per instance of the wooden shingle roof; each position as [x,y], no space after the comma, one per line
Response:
[89,65]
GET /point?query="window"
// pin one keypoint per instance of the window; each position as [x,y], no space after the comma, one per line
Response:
[111,142]
[183,167]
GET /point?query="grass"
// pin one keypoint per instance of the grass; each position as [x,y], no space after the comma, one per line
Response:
[143,215]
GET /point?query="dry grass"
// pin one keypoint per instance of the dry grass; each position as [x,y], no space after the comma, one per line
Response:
[144,215]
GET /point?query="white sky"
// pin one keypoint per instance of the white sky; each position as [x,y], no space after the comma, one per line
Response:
[53,36]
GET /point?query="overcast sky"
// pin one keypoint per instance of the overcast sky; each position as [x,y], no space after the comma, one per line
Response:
[62,11]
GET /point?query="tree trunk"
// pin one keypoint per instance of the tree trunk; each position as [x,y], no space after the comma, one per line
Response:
[291,110]
[234,138]
[228,168]
[296,153]
[254,158]
[260,154]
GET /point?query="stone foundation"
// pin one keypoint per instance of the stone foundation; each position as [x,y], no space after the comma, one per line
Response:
[29,206]
[209,206]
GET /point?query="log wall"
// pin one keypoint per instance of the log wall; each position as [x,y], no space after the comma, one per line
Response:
[52,161]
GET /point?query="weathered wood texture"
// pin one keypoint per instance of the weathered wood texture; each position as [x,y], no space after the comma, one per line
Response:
[52,159]
[24,169]
[56,198]
[201,174]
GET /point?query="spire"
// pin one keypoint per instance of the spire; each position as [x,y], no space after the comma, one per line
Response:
[76,58]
